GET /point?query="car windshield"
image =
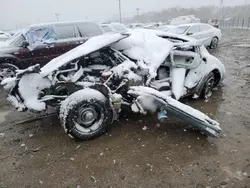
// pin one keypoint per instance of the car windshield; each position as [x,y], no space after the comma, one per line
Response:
[179,29]
[106,28]
[120,27]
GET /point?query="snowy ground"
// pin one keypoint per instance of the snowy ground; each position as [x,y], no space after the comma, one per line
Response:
[139,151]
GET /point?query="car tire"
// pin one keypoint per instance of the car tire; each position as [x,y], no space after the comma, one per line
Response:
[7,70]
[214,43]
[207,90]
[87,119]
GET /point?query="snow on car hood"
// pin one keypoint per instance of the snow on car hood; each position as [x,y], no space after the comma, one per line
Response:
[145,45]
[92,45]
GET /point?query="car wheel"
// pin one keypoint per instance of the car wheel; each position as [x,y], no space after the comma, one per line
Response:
[7,70]
[214,43]
[87,119]
[207,90]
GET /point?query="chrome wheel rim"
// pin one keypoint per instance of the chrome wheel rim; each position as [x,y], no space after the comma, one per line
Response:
[209,87]
[86,116]
[89,118]
[214,42]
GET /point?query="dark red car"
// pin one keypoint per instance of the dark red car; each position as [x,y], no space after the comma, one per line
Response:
[38,44]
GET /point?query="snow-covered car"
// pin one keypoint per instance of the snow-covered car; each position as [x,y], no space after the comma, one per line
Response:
[40,43]
[209,35]
[185,20]
[114,27]
[166,27]
[214,22]
[4,35]
[145,70]
[136,25]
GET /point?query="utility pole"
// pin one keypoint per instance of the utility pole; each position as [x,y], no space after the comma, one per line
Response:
[137,13]
[221,9]
[245,14]
[57,17]
[120,11]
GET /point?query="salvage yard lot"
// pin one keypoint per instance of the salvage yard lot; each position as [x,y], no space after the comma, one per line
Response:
[139,151]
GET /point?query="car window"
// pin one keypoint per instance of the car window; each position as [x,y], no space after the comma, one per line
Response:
[179,29]
[65,31]
[120,27]
[205,27]
[194,29]
[106,28]
[89,29]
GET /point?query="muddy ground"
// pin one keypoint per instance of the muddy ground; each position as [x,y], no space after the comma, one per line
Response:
[40,154]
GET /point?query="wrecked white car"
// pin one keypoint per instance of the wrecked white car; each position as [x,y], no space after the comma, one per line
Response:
[145,70]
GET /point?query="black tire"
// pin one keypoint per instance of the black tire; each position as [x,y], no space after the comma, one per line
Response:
[214,43]
[7,70]
[207,90]
[76,125]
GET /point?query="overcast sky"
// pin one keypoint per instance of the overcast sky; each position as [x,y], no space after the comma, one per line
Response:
[16,13]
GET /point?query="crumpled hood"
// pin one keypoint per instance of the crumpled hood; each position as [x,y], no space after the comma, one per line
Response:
[93,44]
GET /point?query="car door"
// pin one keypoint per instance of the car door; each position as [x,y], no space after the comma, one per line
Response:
[207,34]
[67,38]
[35,52]
[89,29]
[194,32]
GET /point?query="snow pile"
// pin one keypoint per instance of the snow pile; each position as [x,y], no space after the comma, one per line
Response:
[19,106]
[178,79]
[144,45]
[77,97]
[92,45]
[9,83]
[30,86]
[125,70]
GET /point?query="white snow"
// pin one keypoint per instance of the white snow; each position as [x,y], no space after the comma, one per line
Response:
[85,84]
[30,86]
[124,70]
[2,134]
[19,106]
[9,83]
[178,79]
[98,67]
[81,95]
[144,45]
[92,45]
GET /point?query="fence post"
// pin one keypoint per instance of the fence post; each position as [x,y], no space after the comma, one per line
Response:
[233,24]
[238,22]
[243,23]
[248,23]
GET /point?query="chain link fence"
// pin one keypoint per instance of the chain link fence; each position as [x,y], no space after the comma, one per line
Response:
[236,23]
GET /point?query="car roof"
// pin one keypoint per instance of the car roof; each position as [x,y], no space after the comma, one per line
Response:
[58,23]
[192,24]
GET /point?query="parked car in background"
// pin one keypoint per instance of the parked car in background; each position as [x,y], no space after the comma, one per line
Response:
[114,27]
[136,25]
[165,27]
[38,44]
[185,20]
[214,22]
[4,35]
[207,34]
